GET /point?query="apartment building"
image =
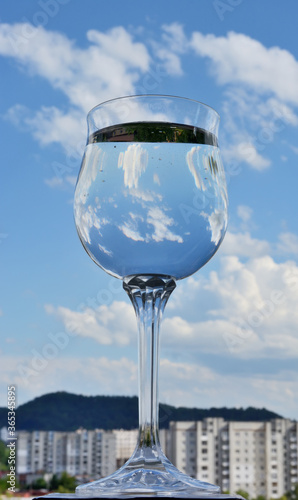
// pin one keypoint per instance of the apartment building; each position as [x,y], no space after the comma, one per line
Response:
[194,449]
[258,457]
[83,453]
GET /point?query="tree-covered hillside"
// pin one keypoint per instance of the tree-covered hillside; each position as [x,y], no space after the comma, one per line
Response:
[62,411]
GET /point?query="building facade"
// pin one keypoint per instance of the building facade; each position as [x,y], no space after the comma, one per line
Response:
[258,457]
[90,454]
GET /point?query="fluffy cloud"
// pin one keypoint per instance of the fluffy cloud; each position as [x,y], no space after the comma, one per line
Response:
[110,66]
[251,311]
[240,314]
[247,310]
[51,125]
[237,58]
[244,212]
[250,72]
[174,37]
[114,324]
[244,245]
[288,243]
[251,125]
[258,101]
[246,152]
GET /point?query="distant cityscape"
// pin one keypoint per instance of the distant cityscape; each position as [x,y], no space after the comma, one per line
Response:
[257,457]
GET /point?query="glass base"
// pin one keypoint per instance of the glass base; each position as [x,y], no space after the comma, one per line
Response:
[136,496]
[147,473]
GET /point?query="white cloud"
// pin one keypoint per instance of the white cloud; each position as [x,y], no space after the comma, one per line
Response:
[288,243]
[239,312]
[238,58]
[173,44]
[161,224]
[51,125]
[129,229]
[244,212]
[118,44]
[251,124]
[278,110]
[247,310]
[294,149]
[218,224]
[243,245]
[246,151]
[114,324]
[45,53]
[134,162]
[110,66]
[114,64]
[54,182]
[250,71]
[171,61]
[174,36]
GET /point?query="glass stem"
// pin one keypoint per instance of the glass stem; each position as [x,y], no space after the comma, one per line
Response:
[149,295]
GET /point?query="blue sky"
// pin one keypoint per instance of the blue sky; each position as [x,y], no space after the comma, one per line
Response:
[230,332]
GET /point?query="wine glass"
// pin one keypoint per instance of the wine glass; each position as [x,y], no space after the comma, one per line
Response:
[150,209]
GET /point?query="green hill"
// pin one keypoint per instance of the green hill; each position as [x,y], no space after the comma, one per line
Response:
[62,411]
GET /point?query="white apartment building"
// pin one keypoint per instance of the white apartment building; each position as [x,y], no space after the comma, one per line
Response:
[84,453]
[90,453]
[258,457]
[193,448]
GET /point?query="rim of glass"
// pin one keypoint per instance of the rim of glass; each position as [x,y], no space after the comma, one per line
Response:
[154,95]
